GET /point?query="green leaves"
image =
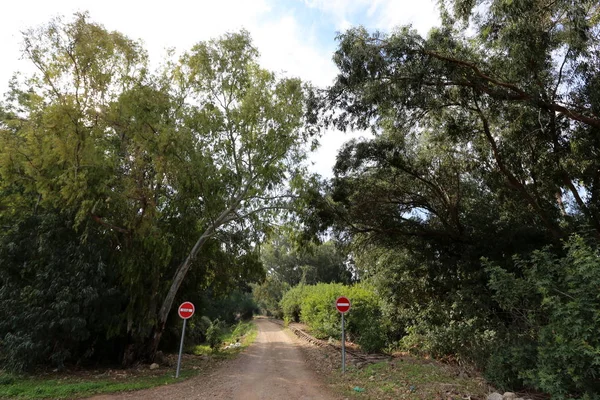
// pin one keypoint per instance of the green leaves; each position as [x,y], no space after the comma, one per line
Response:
[150,166]
[557,296]
[483,147]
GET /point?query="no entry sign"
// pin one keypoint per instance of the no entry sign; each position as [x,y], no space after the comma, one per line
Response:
[342,304]
[186,310]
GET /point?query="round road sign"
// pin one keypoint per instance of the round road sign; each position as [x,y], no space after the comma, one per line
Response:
[186,310]
[342,304]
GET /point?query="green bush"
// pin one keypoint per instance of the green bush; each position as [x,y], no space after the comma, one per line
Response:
[197,329]
[318,309]
[366,324]
[440,332]
[213,335]
[236,306]
[559,300]
[291,303]
[268,294]
[315,306]
[57,302]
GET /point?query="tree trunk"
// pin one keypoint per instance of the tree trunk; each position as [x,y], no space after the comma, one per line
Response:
[154,340]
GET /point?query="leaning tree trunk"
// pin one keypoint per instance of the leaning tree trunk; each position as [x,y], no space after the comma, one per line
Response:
[151,347]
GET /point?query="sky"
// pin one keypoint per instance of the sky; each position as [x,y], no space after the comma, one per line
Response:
[295,37]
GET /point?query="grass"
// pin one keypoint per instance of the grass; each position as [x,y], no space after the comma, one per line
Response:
[406,378]
[61,386]
[20,387]
[243,333]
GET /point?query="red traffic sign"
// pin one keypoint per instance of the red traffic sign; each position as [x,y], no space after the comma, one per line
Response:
[186,310]
[342,304]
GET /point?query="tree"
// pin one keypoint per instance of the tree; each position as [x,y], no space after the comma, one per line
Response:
[250,123]
[485,135]
[522,112]
[159,164]
[306,263]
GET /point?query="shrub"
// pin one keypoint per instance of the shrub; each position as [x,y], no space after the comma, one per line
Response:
[291,303]
[213,335]
[562,314]
[315,305]
[318,309]
[57,301]
[197,329]
[230,309]
[365,321]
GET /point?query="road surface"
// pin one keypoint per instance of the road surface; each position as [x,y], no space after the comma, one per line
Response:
[271,369]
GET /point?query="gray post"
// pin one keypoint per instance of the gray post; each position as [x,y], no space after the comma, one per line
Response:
[343,346]
[180,348]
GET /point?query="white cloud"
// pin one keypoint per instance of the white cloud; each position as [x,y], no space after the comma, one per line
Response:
[288,47]
[380,14]
[421,14]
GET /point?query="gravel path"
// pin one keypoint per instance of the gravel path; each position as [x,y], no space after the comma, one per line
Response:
[271,369]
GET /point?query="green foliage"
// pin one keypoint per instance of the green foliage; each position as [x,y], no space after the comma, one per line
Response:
[244,333]
[557,299]
[230,308]
[315,305]
[268,294]
[485,143]
[197,328]
[317,309]
[156,175]
[365,323]
[213,335]
[291,303]
[292,263]
[58,296]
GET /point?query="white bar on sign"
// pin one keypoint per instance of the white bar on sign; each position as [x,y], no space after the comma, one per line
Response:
[343,304]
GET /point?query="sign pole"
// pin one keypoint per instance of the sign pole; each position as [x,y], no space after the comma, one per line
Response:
[180,349]
[343,346]
[342,304]
[185,311]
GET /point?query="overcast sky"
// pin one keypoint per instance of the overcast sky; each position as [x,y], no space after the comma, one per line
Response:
[294,37]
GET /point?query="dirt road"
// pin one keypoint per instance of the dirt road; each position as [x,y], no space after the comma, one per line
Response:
[271,369]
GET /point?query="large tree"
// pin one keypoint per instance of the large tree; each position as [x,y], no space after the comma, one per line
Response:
[485,145]
[518,98]
[207,148]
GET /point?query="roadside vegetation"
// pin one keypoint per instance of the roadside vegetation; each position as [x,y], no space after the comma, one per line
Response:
[87,382]
[229,342]
[466,228]
[68,385]
[407,378]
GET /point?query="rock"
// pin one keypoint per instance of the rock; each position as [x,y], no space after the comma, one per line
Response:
[495,396]
[509,396]
[159,358]
[154,366]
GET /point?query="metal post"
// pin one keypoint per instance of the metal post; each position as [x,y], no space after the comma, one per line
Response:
[343,346]
[180,348]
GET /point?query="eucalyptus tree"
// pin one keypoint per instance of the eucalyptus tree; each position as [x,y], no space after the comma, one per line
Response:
[517,97]
[485,146]
[207,149]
